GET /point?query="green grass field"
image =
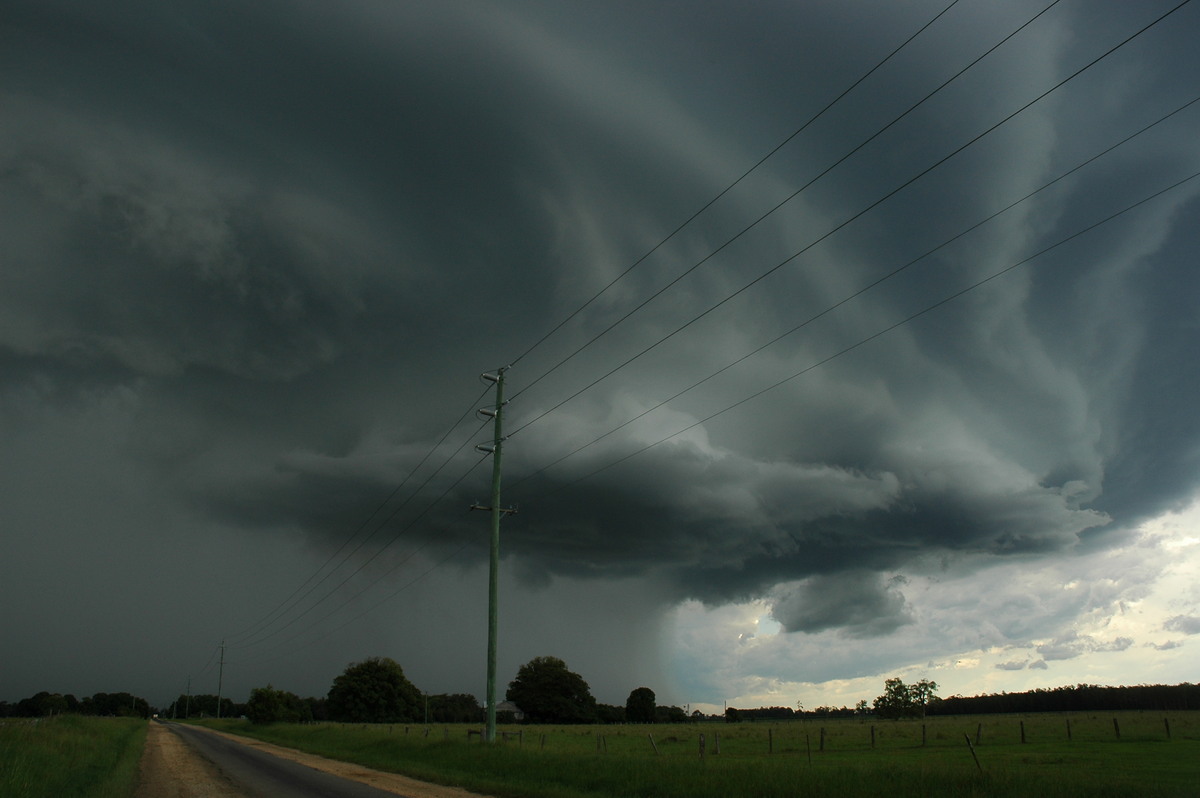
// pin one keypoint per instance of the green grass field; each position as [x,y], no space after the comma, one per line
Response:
[909,758]
[70,755]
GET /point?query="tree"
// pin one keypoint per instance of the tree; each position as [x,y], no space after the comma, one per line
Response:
[268,705]
[374,691]
[455,708]
[549,693]
[639,707]
[900,700]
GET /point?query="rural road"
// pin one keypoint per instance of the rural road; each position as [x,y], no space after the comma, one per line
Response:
[227,767]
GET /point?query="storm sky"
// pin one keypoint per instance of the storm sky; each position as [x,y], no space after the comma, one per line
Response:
[843,340]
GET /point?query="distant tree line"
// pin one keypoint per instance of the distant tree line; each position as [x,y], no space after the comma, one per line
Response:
[1077,698]
[45,704]
[377,691]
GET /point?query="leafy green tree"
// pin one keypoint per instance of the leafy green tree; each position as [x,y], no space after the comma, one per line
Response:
[375,691]
[455,708]
[900,700]
[268,705]
[549,693]
[639,707]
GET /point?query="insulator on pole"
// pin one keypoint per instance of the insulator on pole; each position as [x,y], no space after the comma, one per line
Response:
[489,377]
[486,412]
[485,448]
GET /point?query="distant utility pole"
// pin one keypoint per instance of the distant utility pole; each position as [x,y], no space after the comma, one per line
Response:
[220,678]
[187,704]
[497,415]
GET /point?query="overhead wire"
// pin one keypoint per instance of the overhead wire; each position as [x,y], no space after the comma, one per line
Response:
[852,296]
[841,225]
[731,186]
[298,596]
[252,634]
[295,597]
[620,320]
[272,617]
[395,537]
[386,574]
[880,333]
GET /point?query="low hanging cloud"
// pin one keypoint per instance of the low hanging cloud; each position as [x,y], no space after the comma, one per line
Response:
[1074,645]
[861,605]
[1187,624]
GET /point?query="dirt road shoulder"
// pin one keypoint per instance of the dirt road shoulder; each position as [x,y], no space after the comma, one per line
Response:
[172,769]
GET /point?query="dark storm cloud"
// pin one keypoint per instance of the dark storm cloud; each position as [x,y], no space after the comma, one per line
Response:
[862,605]
[290,235]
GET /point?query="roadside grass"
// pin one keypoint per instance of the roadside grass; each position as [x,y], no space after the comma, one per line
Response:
[783,759]
[70,755]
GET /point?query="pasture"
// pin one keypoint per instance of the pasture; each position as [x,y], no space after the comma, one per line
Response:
[70,755]
[1069,754]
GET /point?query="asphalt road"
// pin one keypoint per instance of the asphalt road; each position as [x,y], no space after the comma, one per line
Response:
[260,774]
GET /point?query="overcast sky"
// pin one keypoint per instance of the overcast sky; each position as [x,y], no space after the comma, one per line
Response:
[915,397]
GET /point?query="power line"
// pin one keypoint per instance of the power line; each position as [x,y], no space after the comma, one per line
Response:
[880,333]
[863,290]
[381,577]
[299,594]
[730,187]
[328,594]
[835,229]
[787,199]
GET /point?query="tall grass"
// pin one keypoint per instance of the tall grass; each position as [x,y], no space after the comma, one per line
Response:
[784,759]
[69,756]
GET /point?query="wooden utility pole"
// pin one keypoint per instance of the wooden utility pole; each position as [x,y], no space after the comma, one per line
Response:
[497,415]
[220,678]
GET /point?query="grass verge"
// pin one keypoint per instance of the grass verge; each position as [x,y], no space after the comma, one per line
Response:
[595,761]
[70,755]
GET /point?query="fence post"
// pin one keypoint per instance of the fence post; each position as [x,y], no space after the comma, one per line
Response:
[716,742]
[872,736]
[1022,732]
[1167,726]
[1116,728]
[770,741]
[973,754]
[923,738]
[701,746]
[1068,730]
[822,746]
[808,747]
[978,733]
[652,744]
